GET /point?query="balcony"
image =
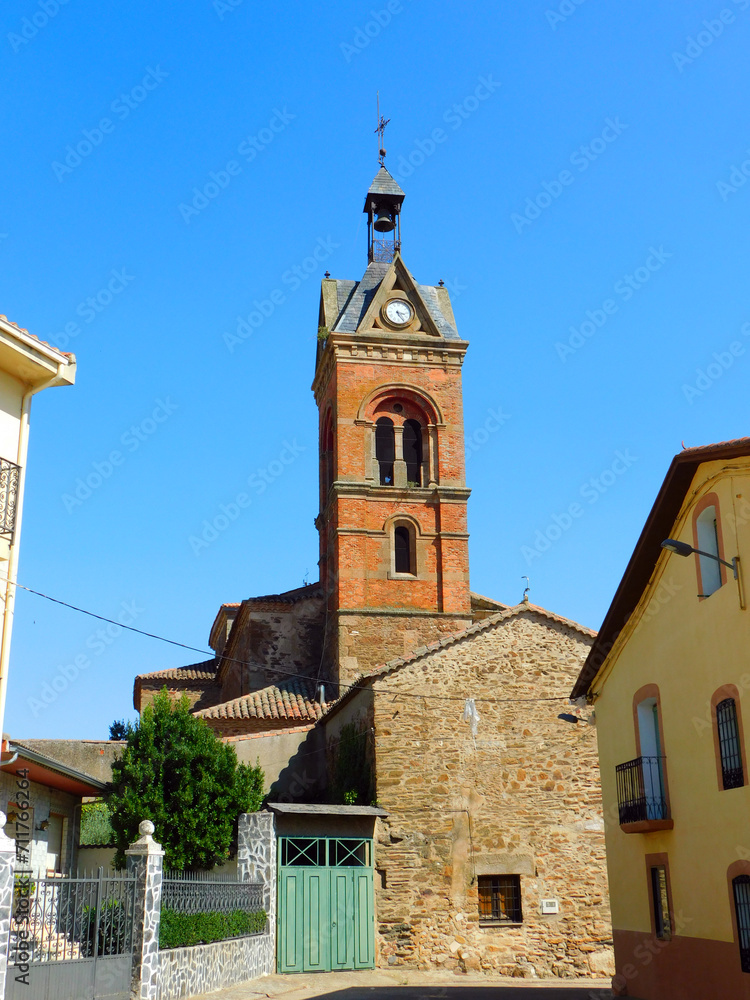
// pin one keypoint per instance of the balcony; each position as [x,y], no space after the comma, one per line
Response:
[9,478]
[641,795]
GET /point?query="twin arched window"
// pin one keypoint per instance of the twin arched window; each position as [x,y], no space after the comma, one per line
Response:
[392,446]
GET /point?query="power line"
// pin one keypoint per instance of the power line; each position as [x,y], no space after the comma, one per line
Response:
[287,673]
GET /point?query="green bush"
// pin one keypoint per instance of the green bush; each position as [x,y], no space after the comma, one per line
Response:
[174,771]
[96,829]
[181,930]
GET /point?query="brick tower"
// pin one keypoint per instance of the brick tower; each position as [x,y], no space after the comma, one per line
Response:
[394,560]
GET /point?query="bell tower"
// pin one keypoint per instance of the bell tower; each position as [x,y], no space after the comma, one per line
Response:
[394,560]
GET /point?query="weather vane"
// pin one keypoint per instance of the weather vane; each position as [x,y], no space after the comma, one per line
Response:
[382,122]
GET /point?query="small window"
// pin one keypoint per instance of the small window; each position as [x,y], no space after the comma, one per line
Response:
[729,744]
[708,541]
[500,898]
[385,449]
[402,550]
[741,890]
[660,899]
[413,452]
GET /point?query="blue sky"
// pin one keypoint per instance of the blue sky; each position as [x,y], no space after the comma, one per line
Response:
[585,202]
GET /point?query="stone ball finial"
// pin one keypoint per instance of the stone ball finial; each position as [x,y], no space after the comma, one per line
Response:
[146,828]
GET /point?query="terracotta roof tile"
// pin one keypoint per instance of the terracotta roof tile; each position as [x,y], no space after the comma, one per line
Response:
[293,699]
[205,671]
[33,336]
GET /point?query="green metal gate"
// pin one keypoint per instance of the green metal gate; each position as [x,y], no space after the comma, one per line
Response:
[326,910]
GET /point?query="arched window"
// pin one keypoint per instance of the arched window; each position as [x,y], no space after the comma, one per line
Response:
[402,562]
[385,449]
[706,526]
[730,750]
[741,890]
[413,452]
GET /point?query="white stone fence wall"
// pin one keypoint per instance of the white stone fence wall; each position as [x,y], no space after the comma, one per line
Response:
[185,972]
[178,972]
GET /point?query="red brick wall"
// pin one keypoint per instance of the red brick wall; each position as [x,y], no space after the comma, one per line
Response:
[355,534]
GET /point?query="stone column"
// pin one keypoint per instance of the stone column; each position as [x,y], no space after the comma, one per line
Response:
[399,465]
[256,862]
[144,860]
[7,867]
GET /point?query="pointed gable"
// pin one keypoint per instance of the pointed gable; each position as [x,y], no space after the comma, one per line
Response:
[357,304]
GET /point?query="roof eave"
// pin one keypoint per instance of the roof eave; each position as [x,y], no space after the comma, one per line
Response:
[647,551]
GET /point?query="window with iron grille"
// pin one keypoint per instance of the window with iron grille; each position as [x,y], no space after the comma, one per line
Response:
[660,897]
[729,744]
[500,898]
[741,889]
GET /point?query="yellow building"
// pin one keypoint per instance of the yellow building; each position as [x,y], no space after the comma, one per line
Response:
[27,365]
[669,678]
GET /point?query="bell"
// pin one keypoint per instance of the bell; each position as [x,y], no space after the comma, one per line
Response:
[384,223]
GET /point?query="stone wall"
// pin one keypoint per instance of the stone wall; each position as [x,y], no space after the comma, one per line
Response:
[520,798]
[185,972]
[367,640]
[272,638]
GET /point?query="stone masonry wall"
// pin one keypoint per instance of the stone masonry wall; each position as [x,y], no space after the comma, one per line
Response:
[185,972]
[367,641]
[521,798]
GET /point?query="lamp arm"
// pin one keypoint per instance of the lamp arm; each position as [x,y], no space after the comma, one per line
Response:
[709,555]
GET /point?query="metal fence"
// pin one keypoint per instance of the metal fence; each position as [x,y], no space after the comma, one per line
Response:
[60,918]
[210,892]
[640,790]
[71,937]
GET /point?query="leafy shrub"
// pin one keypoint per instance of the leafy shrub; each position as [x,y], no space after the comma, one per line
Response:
[96,829]
[182,930]
[176,772]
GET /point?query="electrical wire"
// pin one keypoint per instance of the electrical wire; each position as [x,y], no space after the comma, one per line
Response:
[232,659]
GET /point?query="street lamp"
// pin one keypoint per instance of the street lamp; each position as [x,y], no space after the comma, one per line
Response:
[683,549]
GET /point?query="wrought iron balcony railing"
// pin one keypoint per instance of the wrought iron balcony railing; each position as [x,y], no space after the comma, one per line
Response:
[640,790]
[9,479]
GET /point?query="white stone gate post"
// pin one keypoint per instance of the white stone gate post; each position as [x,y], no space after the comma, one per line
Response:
[256,862]
[7,868]
[145,860]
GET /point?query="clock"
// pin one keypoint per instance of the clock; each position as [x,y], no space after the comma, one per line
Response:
[398,312]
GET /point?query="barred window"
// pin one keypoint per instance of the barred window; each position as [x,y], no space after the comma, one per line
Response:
[660,897]
[500,898]
[741,889]
[729,744]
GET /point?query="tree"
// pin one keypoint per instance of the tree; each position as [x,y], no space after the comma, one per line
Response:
[118,730]
[177,773]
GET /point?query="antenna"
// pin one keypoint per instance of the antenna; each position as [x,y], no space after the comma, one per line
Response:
[382,122]
[525,597]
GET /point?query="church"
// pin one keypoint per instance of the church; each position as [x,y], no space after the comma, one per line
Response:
[406,725]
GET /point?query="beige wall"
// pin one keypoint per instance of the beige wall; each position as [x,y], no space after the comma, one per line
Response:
[689,648]
[291,764]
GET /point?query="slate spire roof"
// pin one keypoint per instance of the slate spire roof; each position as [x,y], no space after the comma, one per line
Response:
[384,183]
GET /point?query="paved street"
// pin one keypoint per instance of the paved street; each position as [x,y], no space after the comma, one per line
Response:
[410,985]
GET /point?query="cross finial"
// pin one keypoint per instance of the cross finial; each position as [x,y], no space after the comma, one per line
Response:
[382,122]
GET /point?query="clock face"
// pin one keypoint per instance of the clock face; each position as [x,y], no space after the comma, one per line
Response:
[398,312]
